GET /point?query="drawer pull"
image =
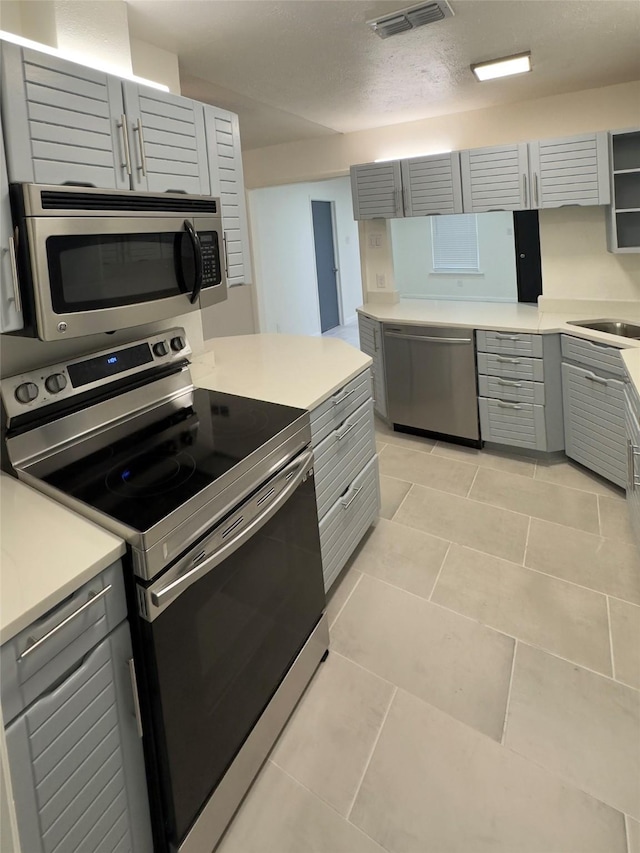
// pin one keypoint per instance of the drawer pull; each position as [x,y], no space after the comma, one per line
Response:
[599,379]
[508,405]
[510,384]
[507,337]
[507,360]
[342,396]
[94,596]
[341,435]
[347,503]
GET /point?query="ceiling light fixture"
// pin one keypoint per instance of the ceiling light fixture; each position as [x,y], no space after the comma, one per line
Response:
[518,64]
[83,60]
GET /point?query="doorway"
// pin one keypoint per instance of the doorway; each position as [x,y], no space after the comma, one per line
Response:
[326,266]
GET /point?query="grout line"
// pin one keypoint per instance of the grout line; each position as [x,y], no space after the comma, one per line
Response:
[627,833]
[373,749]
[473,481]
[364,668]
[444,560]
[526,543]
[613,665]
[411,485]
[506,710]
[333,622]
[599,515]
[305,788]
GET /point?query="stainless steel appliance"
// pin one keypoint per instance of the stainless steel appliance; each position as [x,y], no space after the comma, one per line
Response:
[215,495]
[431,379]
[93,260]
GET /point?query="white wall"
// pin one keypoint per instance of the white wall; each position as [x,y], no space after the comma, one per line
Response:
[413,261]
[284,254]
[154,63]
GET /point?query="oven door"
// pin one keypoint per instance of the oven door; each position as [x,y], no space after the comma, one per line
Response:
[218,635]
[99,274]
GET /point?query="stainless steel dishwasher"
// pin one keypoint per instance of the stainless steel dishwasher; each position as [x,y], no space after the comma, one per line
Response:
[431,381]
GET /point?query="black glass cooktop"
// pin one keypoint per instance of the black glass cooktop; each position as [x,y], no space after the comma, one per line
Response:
[142,478]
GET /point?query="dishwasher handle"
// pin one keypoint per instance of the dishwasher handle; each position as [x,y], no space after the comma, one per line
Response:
[427,338]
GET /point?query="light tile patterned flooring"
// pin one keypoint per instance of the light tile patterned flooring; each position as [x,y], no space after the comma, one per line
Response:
[482,693]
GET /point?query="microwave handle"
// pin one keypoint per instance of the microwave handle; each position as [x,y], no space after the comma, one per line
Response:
[197,251]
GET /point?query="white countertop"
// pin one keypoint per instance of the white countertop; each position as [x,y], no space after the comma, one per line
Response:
[46,552]
[293,370]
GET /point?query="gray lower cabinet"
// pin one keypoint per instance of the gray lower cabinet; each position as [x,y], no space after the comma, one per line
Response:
[632,423]
[371,344]
[519,388]
[75,755]
[594,407]
[10,304]
[227,182]
[346,472]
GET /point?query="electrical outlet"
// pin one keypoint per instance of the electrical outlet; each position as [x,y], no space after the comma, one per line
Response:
[380,280]
[375,241]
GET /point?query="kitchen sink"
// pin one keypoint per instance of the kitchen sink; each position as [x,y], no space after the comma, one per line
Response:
[612,327]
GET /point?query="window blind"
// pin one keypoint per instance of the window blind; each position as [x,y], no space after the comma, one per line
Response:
[455,243]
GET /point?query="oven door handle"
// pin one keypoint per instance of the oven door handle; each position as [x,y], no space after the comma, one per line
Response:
[197,252]
[293,474]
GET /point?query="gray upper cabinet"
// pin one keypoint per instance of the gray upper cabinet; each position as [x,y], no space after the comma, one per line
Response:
[376,189]
[227,182]
[10,306]
[570,171]
[431,185]
[495,178]
[61,121]
[167,141]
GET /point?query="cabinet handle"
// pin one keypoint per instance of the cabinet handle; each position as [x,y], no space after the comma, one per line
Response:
[510,384]
[593,378]
[143,160]
[375,339]
[224,252]
[525,191]
[347,503]
[122,124]
[342,396]
[507,337]
[341,435]
[35,644]
[504,360]
[14,275]
[399,206]
[136,698]
[633,477]
[535,189]
[405,199]
[504,405]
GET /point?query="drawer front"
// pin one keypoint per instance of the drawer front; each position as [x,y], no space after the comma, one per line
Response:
[513,390]
[330,414]
[594,422]
[342,454]
[590,354]
[516,424]
[72,762]
[509,343]
[348,519]
[511,367]
[38,656]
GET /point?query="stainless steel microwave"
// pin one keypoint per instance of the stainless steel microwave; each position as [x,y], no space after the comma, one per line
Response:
[93,260]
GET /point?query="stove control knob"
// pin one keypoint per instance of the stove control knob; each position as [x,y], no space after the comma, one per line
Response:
[27,392]
[55,383]
[160,349]
[178,343]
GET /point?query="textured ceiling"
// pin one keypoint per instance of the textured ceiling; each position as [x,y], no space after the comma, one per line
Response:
[295,69]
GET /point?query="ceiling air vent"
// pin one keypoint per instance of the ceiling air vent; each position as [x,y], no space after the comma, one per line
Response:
[410,18]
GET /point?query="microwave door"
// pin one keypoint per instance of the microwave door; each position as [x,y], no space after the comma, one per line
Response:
[100,274]
[214,260]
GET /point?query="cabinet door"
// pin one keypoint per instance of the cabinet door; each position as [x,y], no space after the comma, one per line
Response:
[168,149]
[432,185]
[371,344]
[377,190]
[227,182]
[495,178]
[62,121]
[570,171]
[10,305]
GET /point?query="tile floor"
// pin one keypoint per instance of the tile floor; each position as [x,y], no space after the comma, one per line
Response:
[482,693]
[348,333]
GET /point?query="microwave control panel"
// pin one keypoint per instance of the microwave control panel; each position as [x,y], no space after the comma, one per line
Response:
[46,385]
[210,258]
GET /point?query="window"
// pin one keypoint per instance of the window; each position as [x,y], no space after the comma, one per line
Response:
[455,243]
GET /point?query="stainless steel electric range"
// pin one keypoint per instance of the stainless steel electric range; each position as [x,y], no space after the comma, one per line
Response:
[215,497]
